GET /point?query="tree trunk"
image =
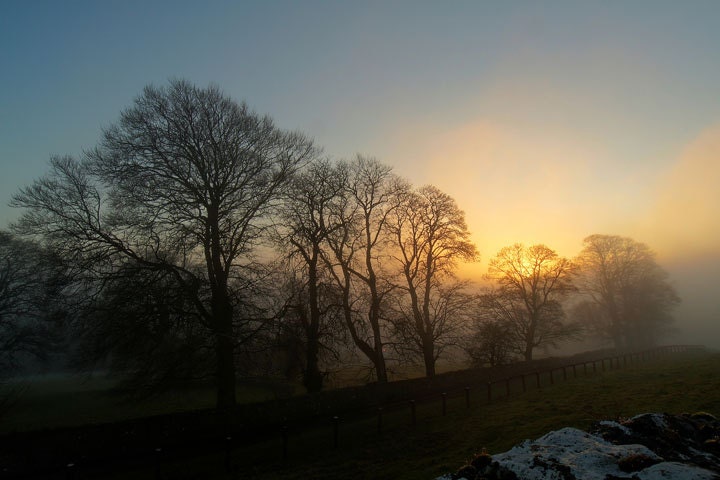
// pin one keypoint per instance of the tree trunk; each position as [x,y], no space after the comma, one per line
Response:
[379,360]
[225,368]
[530,341]
[312,377]
[429,357]
[528,354]
[380,367]
[224,349]
[222,312]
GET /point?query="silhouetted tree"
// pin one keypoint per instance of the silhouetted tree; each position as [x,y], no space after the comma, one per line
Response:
[430,237]
[628,297]
[358,254]
[182,184]
[491,343]
[31,315]
[450,311]
[306,221]
[532,281]
[142,328]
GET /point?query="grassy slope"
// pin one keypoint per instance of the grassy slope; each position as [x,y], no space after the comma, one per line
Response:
[75,400]
[436,445]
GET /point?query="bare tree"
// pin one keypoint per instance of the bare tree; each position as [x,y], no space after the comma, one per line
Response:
[358,255]
[628,297]
[306,223]
[491,343]
[430,237]
[450,312]
[142,327]
[532,282]
[184,184]
[30,313]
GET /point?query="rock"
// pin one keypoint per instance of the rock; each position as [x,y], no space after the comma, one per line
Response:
[687,439]
[646,447]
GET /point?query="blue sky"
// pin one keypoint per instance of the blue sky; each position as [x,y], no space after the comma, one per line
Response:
[546,120]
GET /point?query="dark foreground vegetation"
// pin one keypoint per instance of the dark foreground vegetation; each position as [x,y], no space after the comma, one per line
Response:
[443,434]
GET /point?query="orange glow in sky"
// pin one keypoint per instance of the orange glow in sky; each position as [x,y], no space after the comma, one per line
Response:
[546,121]
[531,187]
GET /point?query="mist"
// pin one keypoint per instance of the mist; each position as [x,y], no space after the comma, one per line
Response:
[697,317]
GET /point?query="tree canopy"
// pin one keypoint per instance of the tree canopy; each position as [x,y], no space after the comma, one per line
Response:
[430,236]
[627,295]
[532,282]
[183,183]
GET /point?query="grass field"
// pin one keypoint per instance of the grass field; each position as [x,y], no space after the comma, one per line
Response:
[439,444]
[67,400]
[59,400]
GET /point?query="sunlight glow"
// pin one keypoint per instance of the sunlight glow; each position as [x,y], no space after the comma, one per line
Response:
[685,221]
[527,187]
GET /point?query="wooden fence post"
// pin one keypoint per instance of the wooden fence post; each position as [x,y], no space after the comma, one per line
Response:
[158,463]
[537,378]
[228,454]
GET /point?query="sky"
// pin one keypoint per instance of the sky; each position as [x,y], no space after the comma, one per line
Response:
[546,120]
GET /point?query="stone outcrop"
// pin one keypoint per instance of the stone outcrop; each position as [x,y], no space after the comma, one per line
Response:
[646,447]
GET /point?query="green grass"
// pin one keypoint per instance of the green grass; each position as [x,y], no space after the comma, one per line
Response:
[68,400]
[437,444]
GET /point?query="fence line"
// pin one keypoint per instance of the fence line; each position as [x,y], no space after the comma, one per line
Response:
[502,389]
[492,391]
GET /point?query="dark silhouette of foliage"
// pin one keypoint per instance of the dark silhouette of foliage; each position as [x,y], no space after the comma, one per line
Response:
[307,220]
[627,297]
[184,183]
[532,282]
[430,237]
[31,313]
[358,254]
[491,342]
